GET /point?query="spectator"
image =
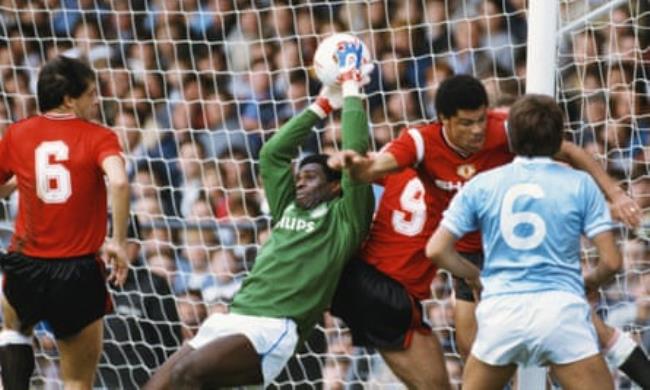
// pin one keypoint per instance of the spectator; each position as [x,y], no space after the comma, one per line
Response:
[223,131]
[190,161]
[495,37]
[467,57]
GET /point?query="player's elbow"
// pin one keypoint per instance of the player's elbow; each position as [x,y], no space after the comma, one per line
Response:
[614,262]
[119,184]
[268,156]
[434,251]
[610,256]
[265,153]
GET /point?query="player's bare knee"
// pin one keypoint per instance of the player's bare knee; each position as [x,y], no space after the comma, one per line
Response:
[463,345]
[431,382]
[184,375]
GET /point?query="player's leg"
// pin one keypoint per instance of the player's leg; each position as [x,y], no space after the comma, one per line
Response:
[16,353]
[381,314]
[226,361]
[230,350]
[570,341]
[21,307]
[482,376]
[590,373]
[465,310]
[80,355]
[623,352]
[162,378]
[465,324]
[78,301]
[421,365]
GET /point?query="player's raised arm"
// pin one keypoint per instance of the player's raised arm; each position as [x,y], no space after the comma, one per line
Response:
[358,201]
[118,184]
[276,154]
[623,207]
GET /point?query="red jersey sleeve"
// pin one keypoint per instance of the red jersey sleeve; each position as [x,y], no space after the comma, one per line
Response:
[107,145]
[5,167]
[408,148]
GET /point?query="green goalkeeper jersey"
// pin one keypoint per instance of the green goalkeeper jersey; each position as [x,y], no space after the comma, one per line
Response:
[297,270]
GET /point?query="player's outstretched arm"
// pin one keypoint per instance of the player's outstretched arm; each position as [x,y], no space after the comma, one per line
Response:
[118,184]
[363,168]
[622,207]
[609,264]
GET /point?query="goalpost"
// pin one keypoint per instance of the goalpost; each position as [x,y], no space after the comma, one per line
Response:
[540,78]
[194,87]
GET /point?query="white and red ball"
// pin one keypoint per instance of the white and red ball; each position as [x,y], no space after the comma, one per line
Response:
[326,62]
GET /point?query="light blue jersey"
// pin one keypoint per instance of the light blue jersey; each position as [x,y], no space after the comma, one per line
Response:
[531,214]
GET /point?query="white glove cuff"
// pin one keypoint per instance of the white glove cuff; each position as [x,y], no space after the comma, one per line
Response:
[318,110]
[351,88]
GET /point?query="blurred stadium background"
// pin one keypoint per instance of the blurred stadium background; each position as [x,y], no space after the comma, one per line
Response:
[194,87]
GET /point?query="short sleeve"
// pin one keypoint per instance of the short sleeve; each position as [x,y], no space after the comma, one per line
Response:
[107,145]
[597,218]
[461,215]
[408,148]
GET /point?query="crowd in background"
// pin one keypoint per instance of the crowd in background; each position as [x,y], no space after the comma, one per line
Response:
[193,88]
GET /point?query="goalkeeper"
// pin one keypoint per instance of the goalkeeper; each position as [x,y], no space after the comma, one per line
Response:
[320,220]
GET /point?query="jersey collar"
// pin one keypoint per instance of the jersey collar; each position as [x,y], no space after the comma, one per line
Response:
[59,116]
[532,160]
[453,147]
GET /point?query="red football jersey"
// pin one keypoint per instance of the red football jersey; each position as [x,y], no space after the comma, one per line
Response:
[400,231]
[62,193]
[444,170]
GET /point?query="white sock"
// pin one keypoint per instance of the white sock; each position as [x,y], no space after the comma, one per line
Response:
[8,336]
[619,348]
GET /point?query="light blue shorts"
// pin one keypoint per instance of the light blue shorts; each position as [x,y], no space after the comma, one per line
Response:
[274,339]
[534,329]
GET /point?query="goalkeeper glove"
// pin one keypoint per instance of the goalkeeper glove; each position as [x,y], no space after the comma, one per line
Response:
[353,73]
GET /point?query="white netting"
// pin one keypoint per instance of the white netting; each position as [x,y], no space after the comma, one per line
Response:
[193,87]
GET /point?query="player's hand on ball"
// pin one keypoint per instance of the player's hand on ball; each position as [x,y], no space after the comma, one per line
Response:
[349,56]
[118,261]
[333,95]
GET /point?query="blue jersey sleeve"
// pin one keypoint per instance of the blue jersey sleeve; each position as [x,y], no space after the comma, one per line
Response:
[461,216]
[596,218]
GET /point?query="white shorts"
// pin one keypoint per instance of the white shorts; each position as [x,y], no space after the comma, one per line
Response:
[534,329]
[274,339]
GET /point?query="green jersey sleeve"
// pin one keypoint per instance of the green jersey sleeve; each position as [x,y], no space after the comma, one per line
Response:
[275,161]
[357,203]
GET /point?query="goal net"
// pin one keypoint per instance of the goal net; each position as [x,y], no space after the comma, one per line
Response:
[193,88]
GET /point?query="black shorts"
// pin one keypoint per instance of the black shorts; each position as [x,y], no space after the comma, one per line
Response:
[463,292]
[378,309]
[67,293]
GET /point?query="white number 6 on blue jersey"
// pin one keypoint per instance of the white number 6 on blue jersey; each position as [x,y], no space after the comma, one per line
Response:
[510,220]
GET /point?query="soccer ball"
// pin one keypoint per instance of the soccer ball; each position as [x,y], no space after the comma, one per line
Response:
[326,62]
